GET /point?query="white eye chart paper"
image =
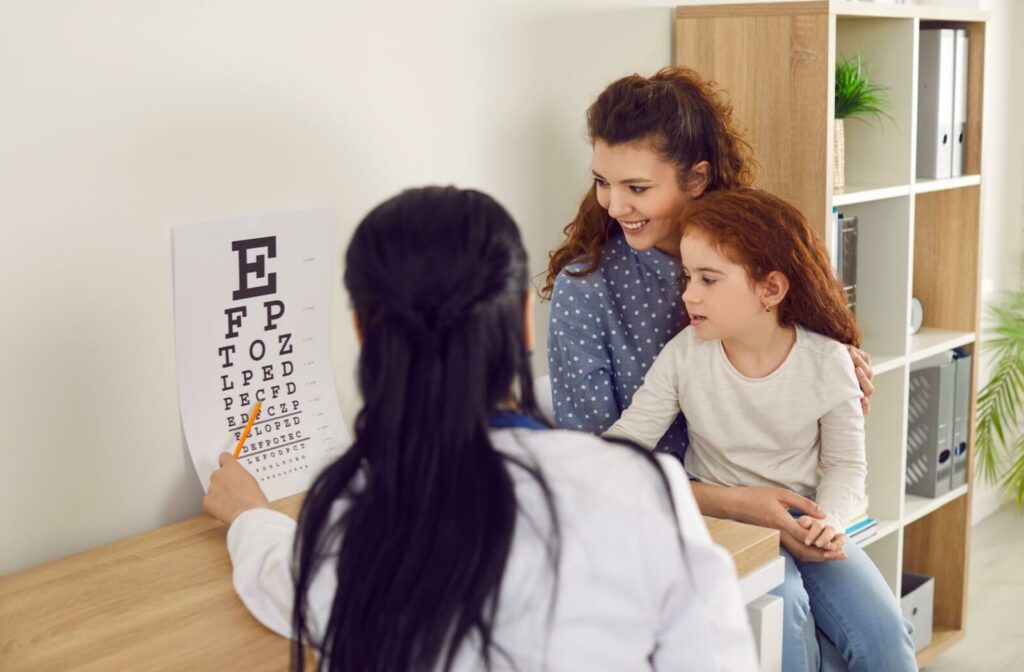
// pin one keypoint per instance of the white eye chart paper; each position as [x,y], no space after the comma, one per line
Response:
[252,323]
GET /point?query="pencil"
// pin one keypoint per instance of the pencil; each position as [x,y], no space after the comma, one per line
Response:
[245,432]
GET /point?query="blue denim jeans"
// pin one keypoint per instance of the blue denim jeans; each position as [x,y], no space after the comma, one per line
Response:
[852,606]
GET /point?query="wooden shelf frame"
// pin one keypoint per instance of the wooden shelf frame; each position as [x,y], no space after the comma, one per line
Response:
[920,238]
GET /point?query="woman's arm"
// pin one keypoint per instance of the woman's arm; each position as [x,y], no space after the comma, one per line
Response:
[582,389]
[655,406]
[259,543]
[766,507]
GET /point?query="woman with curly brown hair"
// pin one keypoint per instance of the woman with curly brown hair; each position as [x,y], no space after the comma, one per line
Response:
[771,397]
[658,143]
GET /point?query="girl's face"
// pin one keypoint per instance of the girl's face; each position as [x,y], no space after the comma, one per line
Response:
[641,192]
[720,298]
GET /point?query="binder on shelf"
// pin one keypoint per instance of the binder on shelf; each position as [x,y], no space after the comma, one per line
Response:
[961,411]
[959,103]
[935,85]
[846,254]
[832,239]
[930,428]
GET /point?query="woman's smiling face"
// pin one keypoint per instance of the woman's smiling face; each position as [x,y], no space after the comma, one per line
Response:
[641,192]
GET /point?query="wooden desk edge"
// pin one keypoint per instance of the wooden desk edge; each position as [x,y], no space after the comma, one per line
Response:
[749,545]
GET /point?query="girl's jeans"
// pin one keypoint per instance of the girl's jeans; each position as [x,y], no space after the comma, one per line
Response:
[853,606]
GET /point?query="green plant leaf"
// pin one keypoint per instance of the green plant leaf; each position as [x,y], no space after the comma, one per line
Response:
[1013,482]
[855,94]
[1001,400]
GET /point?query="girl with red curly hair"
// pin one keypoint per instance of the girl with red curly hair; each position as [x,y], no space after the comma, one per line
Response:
[771,400]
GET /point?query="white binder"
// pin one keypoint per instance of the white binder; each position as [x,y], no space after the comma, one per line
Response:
[959,102]
[935,103]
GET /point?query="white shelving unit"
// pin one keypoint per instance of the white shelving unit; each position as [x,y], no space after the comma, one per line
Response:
[916,238]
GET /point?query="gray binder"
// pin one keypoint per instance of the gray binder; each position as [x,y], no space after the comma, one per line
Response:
[930,430]
[961,413]
[847,255]
[935,102]
[959,102]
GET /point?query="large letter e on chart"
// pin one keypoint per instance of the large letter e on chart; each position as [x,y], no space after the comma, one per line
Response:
[255,269]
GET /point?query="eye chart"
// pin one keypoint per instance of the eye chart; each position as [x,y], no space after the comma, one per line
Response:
[252,323]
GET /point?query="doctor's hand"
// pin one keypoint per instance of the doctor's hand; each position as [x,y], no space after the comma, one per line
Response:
[233,490]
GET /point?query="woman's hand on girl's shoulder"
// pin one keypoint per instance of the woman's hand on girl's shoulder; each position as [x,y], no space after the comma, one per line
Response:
[862,367]
[232,491]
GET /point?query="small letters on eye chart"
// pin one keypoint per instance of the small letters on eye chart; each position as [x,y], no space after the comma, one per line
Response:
[252,323]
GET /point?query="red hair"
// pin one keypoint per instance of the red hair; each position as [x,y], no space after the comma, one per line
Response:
[764,233]
[685,119]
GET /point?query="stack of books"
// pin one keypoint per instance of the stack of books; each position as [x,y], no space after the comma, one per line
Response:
[861,526]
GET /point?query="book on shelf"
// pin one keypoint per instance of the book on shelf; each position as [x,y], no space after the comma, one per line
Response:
[861,526]
[841,242]
[863,529]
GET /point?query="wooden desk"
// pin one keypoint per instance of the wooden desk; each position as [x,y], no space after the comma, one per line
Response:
[751,547]
[164,600]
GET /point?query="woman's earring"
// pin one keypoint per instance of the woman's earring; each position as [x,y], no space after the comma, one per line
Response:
[767,309]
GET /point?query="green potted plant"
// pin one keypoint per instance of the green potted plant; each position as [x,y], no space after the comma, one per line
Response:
[1001,400]
[856,96]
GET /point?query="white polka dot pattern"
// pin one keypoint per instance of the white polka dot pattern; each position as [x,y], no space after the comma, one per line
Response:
[605,331]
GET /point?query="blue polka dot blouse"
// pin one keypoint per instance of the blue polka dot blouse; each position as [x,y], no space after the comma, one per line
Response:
[605,331]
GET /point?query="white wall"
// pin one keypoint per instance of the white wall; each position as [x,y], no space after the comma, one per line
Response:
[1003,168]
[119,120]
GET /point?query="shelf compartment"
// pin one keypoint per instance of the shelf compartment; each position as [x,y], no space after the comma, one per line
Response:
[915,508]
[928,342]
[886,47]
[924,185]
[937,545]
[975,85]
[885,553]
[885,435]
[883,275]
[947,248]
[860,193]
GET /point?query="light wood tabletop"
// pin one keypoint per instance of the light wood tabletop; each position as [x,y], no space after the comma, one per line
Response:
[164,600]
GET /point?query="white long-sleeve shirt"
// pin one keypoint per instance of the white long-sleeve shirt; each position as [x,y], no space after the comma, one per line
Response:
[800,427]
[629,598]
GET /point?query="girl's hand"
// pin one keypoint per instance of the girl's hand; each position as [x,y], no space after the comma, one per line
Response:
[232,491]
[862,367]
[818,533]
[805,553]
